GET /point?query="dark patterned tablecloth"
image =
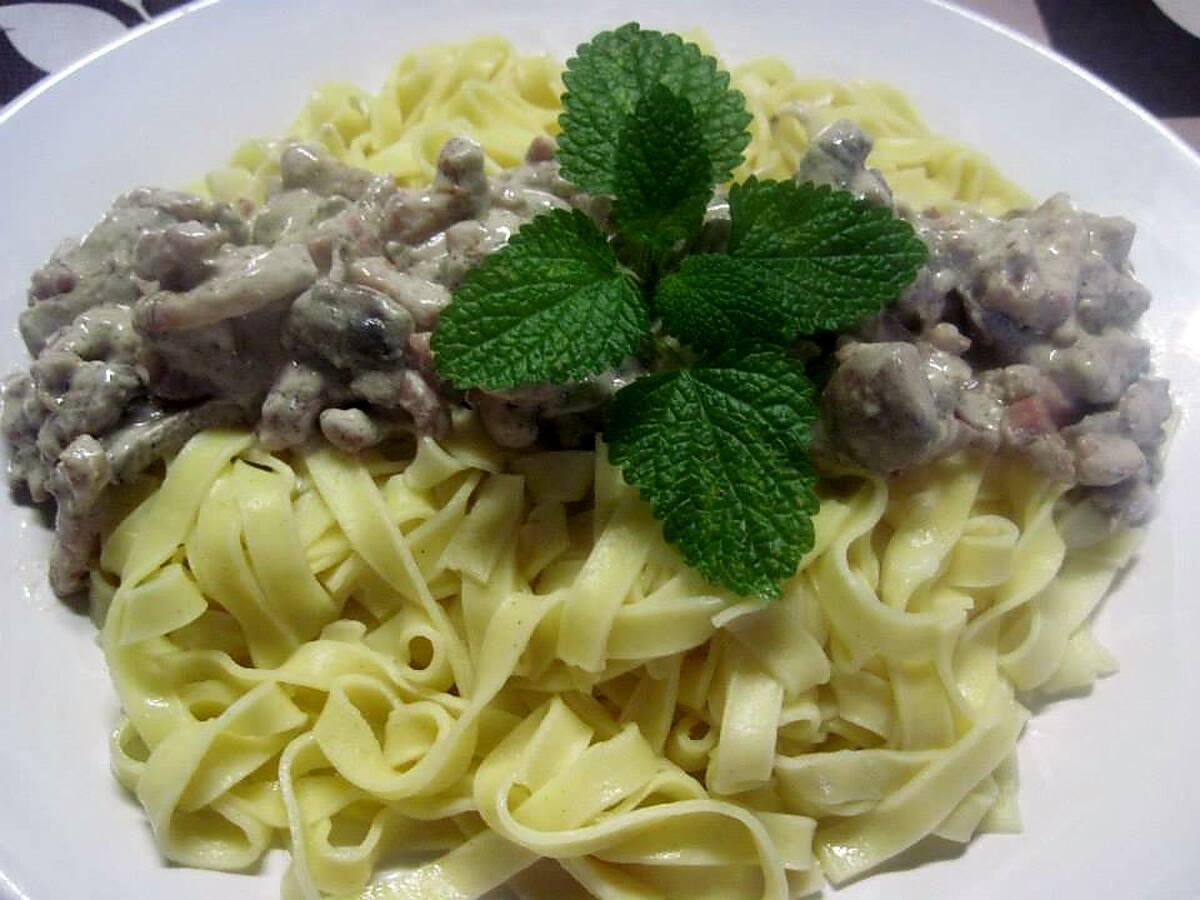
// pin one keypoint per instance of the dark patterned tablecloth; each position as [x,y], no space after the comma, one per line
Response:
[43,37]
[1130,43]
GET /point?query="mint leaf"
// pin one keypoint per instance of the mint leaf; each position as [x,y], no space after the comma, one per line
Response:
[664,178]
[551,306]
[612,72]
[800,259]
[720,451]
[715,300]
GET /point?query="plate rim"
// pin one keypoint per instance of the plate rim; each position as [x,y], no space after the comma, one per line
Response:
[1189,155]
[34,91]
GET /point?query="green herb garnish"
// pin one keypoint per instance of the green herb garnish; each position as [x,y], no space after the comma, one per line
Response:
[553,305]
[718,447]
[720,450]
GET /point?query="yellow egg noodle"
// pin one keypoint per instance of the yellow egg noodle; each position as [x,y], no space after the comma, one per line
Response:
[492,663]
[486,90]
[497,658]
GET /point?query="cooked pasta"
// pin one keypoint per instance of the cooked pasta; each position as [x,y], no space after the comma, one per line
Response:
[440,653]
[486,90]
[493,663]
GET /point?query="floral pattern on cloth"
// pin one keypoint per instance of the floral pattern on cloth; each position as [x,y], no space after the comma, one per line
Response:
[37,39]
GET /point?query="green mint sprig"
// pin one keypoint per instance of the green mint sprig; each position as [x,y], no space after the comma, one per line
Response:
[553,305]
[800,259]
[721,451]
[612,73]
[718,446]
[664,177]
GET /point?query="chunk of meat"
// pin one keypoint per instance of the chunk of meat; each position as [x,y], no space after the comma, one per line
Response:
[82,474]
[1098,368]
[460,191]
[888,408]
[353,232]
[837,156]
[946,337]
[508,424]
[185,207]
[1105,451]
[1108,294]
[289,414]
[468,242]
[289,216]
[82,396]
[21,420]
[1112,299]
[424,300]
[351,429]
[535,188]
[410,391]
[350,327]
[1131,501]
[1144,409]
[179,256]
[52,279]
[1028,267]
[103,333]
[232,358]
[244,279]
[1102,460]
[309,167]
[39,322]
[149,434]
[1051,456]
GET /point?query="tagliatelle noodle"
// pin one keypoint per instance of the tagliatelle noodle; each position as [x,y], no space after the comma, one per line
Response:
[495,661]
[402,701]
[486,90]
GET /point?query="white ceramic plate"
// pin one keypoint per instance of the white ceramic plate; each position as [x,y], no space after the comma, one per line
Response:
[1110,783]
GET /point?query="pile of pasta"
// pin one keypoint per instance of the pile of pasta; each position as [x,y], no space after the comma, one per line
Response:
[440,667]
[484,89]
[498,660]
